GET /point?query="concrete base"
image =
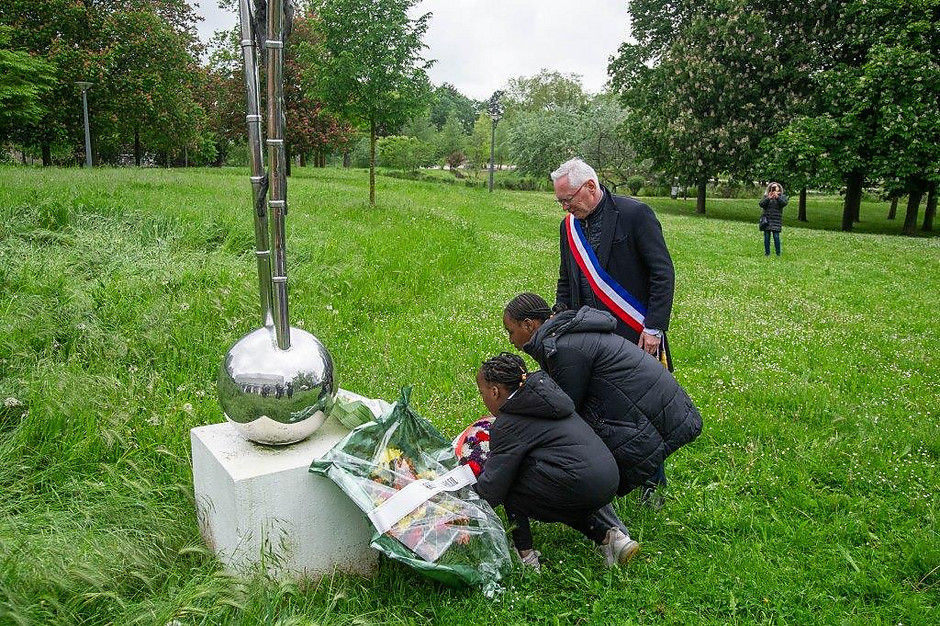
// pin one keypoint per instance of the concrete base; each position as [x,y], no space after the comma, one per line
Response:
[260,504]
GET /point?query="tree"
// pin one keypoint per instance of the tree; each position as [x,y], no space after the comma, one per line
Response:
[794,155]
[447,102]
[546,91]
[223,92]
[450,140]
[699,87]
[605,143]
[539,142]
[145,49]
[147,76]
[310,128]
[478,143]
[24,80]
[367,65]
[869,69]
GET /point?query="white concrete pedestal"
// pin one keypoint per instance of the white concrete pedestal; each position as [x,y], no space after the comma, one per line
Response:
[260,504]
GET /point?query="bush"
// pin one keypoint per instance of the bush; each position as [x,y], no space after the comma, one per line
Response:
[454,160]
[402,153]
[634,183]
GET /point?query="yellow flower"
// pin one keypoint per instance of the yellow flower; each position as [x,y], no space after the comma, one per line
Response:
[388,455]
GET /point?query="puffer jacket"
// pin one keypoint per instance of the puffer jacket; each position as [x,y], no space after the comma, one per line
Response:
[773,209]
[630,400]
[540,449]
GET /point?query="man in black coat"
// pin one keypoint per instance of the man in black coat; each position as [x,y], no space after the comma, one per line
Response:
[627,240]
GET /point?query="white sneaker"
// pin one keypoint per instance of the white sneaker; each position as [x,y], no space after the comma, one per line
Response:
[531,560]
[618,548]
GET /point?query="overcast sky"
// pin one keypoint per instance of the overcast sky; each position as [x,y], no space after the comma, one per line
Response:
[480,44]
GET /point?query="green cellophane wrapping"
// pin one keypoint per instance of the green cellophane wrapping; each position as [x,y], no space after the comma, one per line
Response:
[455,537]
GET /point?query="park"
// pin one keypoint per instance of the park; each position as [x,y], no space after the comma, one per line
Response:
[808,498]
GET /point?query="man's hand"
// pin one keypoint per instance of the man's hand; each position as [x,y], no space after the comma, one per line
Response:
[649,343]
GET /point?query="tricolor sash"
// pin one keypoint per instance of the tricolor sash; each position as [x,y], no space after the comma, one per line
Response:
[620,302]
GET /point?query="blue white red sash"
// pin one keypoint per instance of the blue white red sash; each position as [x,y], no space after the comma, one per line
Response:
[620,302]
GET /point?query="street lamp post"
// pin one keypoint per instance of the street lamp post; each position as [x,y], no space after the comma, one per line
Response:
[496,112]
[84,87]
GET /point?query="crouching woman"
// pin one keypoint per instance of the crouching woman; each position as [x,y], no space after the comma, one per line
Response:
[628,398]
[545,462]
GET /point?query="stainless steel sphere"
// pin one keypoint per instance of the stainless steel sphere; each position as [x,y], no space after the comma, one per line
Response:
[275,396]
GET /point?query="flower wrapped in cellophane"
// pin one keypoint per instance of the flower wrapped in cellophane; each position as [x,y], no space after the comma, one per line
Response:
[403,474]
[472,446]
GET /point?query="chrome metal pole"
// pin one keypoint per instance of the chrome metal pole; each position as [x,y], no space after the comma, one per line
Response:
[259,181]
[277,162]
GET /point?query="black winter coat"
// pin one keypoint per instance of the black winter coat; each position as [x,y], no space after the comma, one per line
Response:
[630,400]
[540,449]
[773,209]
[633,252]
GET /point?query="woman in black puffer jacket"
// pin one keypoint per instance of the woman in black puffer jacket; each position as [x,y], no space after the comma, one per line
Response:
[772,208]
[630,400]
[545,463]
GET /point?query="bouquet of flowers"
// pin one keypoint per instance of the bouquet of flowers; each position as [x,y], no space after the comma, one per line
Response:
[472,446]
[403,474]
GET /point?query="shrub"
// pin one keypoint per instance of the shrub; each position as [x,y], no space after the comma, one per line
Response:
[634,183]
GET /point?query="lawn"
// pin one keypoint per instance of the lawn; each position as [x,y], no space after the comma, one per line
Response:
[809,498]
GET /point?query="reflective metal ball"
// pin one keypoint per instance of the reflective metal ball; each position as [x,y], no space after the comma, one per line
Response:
[275,396]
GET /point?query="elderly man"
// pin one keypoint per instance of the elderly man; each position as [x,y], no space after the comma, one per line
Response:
[614,258]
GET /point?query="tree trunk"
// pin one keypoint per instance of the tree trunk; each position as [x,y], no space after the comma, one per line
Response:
[802,214]
[372,163]
[347,161]
[46,155]
[931,209]
[303,159]
[287,158]
[700,201]
[853,198]
[137,147]
[893,211]
[910,219]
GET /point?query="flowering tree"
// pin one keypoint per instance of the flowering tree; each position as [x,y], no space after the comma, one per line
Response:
[141,55]
[699,87]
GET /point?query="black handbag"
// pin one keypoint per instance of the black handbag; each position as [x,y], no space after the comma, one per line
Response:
[763,223]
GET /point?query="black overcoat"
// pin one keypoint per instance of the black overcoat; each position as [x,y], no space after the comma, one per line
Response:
[542,452]
[629,399]
[633,252]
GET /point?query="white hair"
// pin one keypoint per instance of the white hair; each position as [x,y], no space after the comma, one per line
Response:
[577,171]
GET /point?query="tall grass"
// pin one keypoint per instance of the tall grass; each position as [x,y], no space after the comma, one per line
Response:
[809,498]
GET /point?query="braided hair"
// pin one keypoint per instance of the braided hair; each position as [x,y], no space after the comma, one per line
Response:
[506,369]
[528,306]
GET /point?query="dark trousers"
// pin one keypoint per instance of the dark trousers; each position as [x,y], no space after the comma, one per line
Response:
[767,242]
[593,525]
[658,479]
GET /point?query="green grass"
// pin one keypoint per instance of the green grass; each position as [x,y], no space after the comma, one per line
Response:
[810,497]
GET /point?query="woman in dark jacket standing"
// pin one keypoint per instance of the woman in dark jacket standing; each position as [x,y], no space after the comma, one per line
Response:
[772,208]
[630,400]
[545,463]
